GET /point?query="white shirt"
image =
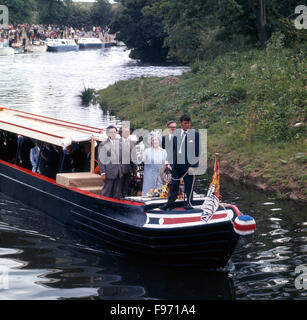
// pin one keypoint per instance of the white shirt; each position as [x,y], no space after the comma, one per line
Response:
[183,136]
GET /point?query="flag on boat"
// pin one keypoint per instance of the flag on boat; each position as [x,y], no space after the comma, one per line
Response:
[214,187]
[212,200]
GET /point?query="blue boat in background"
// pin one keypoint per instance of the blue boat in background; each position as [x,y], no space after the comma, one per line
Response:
[61,45]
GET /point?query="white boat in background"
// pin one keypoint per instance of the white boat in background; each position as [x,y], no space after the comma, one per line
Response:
[37,47]
[90,43]
[5,50]
[61,45]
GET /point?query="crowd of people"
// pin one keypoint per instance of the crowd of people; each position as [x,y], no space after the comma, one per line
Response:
[30,32]
[168,150]
[117,159]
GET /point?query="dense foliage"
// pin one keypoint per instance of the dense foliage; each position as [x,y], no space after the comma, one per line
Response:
[202,29]
[20,11]
[185,30]
[59,12]
[140,29]
[252,102]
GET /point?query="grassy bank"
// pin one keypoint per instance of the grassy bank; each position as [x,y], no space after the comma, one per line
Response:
[253,103]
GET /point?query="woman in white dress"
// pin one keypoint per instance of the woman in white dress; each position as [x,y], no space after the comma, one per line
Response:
[154,158]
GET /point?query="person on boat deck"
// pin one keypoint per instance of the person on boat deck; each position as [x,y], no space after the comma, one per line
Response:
[34,157]
[86,160]
[23,153]
[66,161]
[154,158]
[167,139]
[77,156]
[52,154]
[128,166]
[185,159]
[8,146]
[109,161]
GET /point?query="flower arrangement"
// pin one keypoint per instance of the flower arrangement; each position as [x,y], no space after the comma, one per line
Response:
[159,192]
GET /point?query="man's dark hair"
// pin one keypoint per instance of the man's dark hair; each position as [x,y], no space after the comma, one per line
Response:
[185,117]
[111,127]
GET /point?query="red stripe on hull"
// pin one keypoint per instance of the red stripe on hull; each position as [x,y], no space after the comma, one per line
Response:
[37,175]
[219,216]
[192,219]
[181,220]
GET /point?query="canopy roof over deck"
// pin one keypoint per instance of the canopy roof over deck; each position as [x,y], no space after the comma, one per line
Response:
[57,132]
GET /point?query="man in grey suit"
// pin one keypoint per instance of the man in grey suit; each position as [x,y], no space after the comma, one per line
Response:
[109,161]
[128,166]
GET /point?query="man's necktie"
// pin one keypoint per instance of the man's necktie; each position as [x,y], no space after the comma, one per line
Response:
[183,136]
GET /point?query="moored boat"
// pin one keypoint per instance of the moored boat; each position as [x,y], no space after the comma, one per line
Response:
[61,45]
[134,224]
[5,50]
[90,43]
[37,47]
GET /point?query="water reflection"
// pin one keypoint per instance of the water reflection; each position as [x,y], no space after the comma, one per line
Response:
[265,264]
[47,261]
[49,84]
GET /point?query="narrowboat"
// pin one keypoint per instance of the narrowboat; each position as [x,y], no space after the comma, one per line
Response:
[61,45]
[90,43]
[134,224]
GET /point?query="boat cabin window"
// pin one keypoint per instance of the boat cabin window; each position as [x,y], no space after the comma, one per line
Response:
[44,158]
[69,164]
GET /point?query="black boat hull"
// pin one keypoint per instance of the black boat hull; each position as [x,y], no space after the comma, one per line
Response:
[89,46]
[120,223]
[62,48]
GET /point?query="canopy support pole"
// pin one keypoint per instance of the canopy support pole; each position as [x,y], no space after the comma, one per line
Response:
[92,154]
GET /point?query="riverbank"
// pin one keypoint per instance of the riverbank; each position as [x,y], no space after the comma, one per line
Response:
[253,104]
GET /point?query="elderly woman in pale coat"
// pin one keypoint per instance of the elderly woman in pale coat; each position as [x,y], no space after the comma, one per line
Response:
[154,158]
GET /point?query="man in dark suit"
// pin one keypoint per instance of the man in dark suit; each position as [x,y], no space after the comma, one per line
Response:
[109,161]
[128,166]
[186,152]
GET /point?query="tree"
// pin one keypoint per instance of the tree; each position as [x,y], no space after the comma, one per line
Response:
[20,11]
[55,11]
[140,29]
[198,29]
[186,22]
[101,13]
[81,16]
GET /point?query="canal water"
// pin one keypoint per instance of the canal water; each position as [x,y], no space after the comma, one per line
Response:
[42,259]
